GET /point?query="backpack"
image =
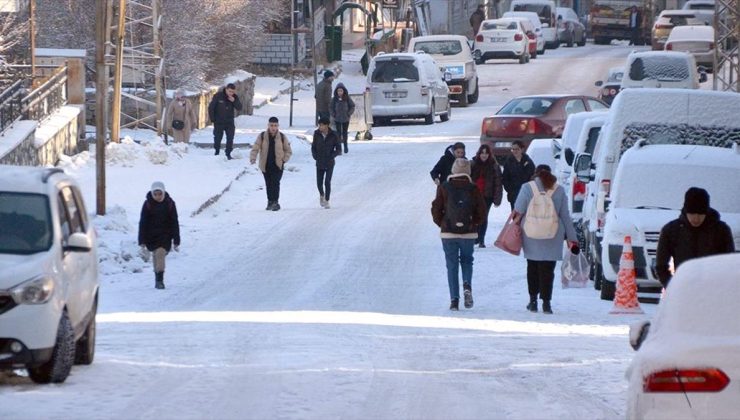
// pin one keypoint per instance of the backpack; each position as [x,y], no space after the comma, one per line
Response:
[459,208]
[542,220]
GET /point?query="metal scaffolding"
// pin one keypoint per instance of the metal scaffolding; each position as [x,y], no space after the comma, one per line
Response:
[727,45]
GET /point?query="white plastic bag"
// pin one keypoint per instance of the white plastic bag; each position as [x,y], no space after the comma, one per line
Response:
[574,270]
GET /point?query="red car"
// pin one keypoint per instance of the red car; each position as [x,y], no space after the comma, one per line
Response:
[532,117]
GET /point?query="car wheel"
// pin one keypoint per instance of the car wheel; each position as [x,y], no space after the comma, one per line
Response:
[58,367]
[523,58]
[474,97]
[85,347]
[446,116]
[429,119]
[583,39]
[608,289]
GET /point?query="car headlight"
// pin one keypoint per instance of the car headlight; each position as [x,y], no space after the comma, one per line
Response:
[33,292]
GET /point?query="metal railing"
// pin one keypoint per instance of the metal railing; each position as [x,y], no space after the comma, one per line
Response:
[48,97]
[11,105]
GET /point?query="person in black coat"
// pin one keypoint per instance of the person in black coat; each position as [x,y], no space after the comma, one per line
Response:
[158,229]
[698,232]
[518,170]
[222,111]
[443,168]
[325,147]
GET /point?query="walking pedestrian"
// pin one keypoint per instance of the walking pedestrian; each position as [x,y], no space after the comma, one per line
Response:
[545,203]
[486,174]
[222,111]
[698,232]
[323,95]
[341,109]
[274,151]
[325,148]
[158,229]
[180,117]
[518,170]
[635,24]
[458,210]
[443,168]
[477,18]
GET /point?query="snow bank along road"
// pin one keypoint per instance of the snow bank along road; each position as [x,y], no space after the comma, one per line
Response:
[342,313]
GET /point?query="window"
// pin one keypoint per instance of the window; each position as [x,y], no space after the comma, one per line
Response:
[75,218]
[395,70]
[527,106]
[593,136]
[499,25]
[574,106]
[25,223]
[439,47]
[661,68]
[542,10]
[615,77]
[63,219]
[596,105]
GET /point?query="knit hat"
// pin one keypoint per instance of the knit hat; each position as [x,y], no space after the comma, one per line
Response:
[158,186]
[328,74]
[696,201]
[461,166]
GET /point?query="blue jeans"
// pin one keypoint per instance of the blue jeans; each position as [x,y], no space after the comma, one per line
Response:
[458,253]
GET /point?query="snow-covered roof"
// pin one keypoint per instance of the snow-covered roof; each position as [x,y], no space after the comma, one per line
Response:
[644,54]
[574,124]
[692,33]
[677,12]
[681,154]
[547,2]
[22,179]
[60,52]
[440,38]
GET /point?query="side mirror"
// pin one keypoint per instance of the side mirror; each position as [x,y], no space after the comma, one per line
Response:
[599,84]
[702,74]
[569,156]
[447,76]
[556,148]
[582,167]
[78,242]
[638,333]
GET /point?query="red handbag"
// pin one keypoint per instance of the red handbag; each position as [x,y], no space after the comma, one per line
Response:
[510,238]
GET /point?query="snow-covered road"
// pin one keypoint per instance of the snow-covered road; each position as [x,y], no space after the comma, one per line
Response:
[341,313]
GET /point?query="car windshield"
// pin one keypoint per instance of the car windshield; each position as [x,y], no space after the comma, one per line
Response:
[615,77]
[499,25]
[542,10]
[702,6]
[395,71]
[661,68]
[682,20]
[25,223]
[451,47]
[526,106]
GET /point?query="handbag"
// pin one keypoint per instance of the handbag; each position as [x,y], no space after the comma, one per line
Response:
[510,238]
[178,124]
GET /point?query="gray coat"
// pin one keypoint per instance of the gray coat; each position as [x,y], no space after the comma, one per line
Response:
[341,109]
[546,249]
[323,96]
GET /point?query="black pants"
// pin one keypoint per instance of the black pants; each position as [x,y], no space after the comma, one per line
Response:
[635,32]
[484,226]
[218,135]
[323,181]
[272,183]
[540,277]
[343,135]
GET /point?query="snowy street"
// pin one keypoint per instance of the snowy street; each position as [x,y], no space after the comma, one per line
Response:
[340,313]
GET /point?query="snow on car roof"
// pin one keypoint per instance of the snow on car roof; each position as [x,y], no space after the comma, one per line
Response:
[677,12]
[22,179]
[439,38]
[692,32]
[682,154]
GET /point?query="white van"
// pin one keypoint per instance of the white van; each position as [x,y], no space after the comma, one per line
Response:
[569,141]
[535,19]
[640,209]
[408,85]
[545,9]
[662,69]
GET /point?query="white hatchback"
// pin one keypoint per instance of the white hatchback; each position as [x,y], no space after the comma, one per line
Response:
[695,40]
[535,19]
[48,274]
[501,38]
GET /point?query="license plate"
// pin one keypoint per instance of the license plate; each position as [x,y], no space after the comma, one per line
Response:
[503,144]
[395,95]
[499,39]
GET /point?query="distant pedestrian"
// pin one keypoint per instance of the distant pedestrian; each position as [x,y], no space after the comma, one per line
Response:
[274,151]
[549,206]
[325,148]
[443,168]
[323,95]
[458,209]
[158,229]
[518,170]
[180,117]
[222,111]
[477,18]
[635,25]
[341,109]
[486,174]
[698,232]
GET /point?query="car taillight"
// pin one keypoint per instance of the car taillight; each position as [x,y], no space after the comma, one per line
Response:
[485,126]
[668,47]
[531,35]
[606,186]
[686,380]
[518,37]
[479,38]
[613,92]
[663,26]
[579,190]
[424,90]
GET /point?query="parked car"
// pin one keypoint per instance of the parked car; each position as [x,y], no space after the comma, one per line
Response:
[609,89]
[545,9]
[641,213]
[453,54]
[530,117]
[704,10]
[501,39]
[531,36]
[48,274]
[408,85]
[687,364]
[695,40]
[570,29]
[542,152]
[666,21]
[662,69]
[536,24]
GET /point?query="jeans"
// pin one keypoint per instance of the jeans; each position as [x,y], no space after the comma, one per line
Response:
[218,135]
[458,253]
[272,183]
[343,135]
[484,226]
[323,180]
[540,277]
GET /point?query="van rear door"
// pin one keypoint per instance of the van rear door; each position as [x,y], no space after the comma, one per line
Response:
[396,81]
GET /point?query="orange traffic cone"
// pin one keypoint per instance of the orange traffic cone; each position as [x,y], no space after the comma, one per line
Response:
[625,299]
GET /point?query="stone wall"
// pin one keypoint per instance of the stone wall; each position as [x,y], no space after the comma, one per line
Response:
[17,145]
[277,50]
[57,135]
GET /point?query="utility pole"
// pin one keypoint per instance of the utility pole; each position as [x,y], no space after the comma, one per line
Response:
[115,130]
[32,33]
[101,100]
[294,57]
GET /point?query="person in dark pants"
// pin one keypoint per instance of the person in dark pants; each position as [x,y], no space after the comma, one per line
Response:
[443,168]
[341,109]
[486,174]
[323,95]
[635,24]
[518,170]
[324,149]
[159,228]
[698,232]
[222,111]
[274,151]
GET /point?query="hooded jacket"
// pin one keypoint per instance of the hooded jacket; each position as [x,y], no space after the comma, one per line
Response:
[439,205]
[341,109]
[681,241]
[221,110]
[443,168]
[158,224]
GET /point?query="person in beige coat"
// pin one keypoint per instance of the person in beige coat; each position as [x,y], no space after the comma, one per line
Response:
[274,151]
[180,117]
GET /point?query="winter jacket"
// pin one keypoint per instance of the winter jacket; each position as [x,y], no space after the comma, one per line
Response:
[439,206]
[221,111]
[516,174]
[283,152]
[184,112]
[341,109]
[682,242]
[158,224]
[488,175]
[476,19]
[325,149]
[323,96]
[443,168]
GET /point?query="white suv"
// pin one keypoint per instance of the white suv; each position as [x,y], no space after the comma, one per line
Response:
[48,274]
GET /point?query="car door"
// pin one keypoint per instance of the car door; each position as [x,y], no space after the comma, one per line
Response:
[595,105]
[74,264]
[437,84]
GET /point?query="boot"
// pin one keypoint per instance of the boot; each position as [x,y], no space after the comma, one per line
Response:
[454,304]
[217,151]
[468,294]
[546,307]
[159,280]
[322,201]
[275,206]
[532,307]
[270,204]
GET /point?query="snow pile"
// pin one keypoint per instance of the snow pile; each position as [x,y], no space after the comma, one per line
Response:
[180,149]
[127,152]
[71,164]
[118,250]
[237,76]
[124,153]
